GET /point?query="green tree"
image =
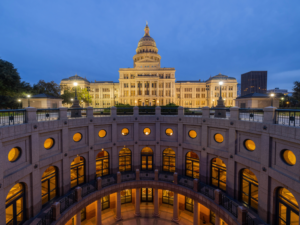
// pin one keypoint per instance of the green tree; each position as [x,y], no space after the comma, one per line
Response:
[296,90]
[11,86]
[50,88]
[82,94]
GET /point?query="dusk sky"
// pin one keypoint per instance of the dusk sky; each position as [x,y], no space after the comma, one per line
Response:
[51,40]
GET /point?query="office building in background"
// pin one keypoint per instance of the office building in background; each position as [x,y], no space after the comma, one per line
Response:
[254,82]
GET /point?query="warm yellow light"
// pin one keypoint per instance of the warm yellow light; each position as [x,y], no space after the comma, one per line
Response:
[102,133]
[250,145]
[169,132]
[48,143]
[282,98]
[75,84]
[28,96]
[19,100]
[289,157]
[221,83]
[272,95]
[125,131]
[71,99]
[14,154]
[147,131]
[77,137]
[192,134]
[219,138]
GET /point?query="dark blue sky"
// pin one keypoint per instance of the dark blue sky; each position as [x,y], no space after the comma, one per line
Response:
[55,39]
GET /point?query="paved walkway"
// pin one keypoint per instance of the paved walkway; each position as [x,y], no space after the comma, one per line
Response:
[147,209]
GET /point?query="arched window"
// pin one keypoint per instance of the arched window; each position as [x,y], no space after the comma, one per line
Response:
[15,205]
[249,189]
[77,171]
[102,164]
[218,173]
[192,165]
[287,207]
[147,159]
[169,158]
[49,184]
[167,197]
[125,160]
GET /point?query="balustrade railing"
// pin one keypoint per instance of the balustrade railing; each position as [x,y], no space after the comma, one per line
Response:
[128,176]
[47,219]
[12,117]
[67,201]
[186,181]
[88,188]
[206,190]
[100,112]
[229,205]
[109,180]
[76,113]
[287,117]
[124,111]
[47,114]
[165,176]
[193,112]
[146,111]
[219,113]
[169,111]
[255,115]
[147,175]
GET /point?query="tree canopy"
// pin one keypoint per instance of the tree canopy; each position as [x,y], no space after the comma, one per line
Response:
[82,95]
[296,90]
[50,88]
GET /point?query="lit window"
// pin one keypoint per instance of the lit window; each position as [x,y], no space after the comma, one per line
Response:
[192,134]
[102,133]
[49,184]
[125,131]
[169,132]
[147,131]
[15,205]
[49,143]
[249,145]
[14,154]
[77,137]
[219,138]
[289,157]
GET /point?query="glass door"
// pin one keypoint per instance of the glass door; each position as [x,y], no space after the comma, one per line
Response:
[147,195]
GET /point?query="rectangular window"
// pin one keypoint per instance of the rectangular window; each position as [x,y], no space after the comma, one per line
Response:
[202,89]
[97,96]
[197,89]
[105,90]
[202,95]
[216,88]
[139,85]
[132,93]
[161,93]
[146,92]
[168,76]
[187,95]
[230,88]
[161,76]
[126,93]
[153,92]
[197,95]
[197,102]
[125,76]
[97,89]
[178,95]
[132,76]
[154,85]
[140,92]
[217,94]
[161,85]
[168,85]
[224,95]
[230,95]
[106,95]
[202,102]
[224,88]
[178,89]
[188,89]
[168,93]
[132,85]
[146,85]
[125,85]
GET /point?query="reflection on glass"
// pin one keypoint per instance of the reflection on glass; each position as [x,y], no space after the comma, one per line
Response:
[218,173]
[249,189]
[14,212]
[126,196]
[189,204]
[49,184]
[169,160]
[147,158]
[288,208]
[168,197]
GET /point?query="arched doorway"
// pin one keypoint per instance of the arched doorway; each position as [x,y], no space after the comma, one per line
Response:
[15,205]
[139,102]
[77,171]
[249,188]
[102,164]
[125,160]
[192,165]
[49,184]
[218,173]
[287,207]
[147,159]
[169,158]
[147,102]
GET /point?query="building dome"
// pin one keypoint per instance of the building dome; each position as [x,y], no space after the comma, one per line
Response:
[146,40]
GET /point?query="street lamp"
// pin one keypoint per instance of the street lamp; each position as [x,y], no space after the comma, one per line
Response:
[75,85]
[207,89]
[88,90]
[220,83]
[272,96]
[28,96]
[19,100]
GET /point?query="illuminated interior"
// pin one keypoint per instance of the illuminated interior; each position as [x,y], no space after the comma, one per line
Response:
[169,132]
[102,164]
[169,159]
[102,133]
[250,145]
[147,159]
[218,173]
[77,171]
[147,131]
[192,165]
[288,208]
[168,197]
[249,189]
[192,134]
[77,137]
[14,154]
[15,205]
[49,184]
[289,157]
[49,143]
[219,138]
[125,131]
[125,160]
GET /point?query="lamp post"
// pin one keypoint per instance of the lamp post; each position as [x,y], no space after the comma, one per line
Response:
[219,112]
[19,100]
[72,100]
[282,101]
[28,96]
[88,91]
[272,96]
[76,112]
[220,83]
[207,89]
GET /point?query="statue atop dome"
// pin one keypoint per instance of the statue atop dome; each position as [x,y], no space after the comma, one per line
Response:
[147,29]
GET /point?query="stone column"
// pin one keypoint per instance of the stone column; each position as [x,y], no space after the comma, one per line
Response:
[156,203]
[217,218]
[196,216]
[205,112]
[242,211]
[269,114]
[98,212]
[30,115]
[118,207]
[78,218]
[137,203]
[175,208]
[89,112]
[234,113]
[63,113]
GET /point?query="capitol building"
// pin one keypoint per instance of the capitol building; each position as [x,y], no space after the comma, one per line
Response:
[149,84]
